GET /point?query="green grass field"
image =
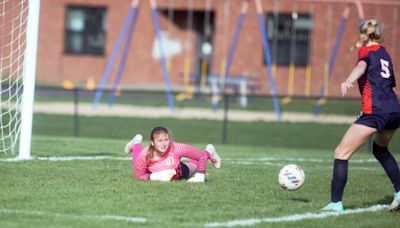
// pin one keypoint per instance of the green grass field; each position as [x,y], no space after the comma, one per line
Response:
[99,191]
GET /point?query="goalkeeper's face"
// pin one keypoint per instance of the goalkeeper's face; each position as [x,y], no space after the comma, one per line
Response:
[161,142]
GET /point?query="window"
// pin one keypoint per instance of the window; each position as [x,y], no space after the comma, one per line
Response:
[85,30]
[289,35]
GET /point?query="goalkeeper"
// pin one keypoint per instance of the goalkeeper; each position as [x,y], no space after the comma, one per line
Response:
[161,160]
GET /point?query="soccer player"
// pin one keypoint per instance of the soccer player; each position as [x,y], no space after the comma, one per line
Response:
[161,160]
[380,113]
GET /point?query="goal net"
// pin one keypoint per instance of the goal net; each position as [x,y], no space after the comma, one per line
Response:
[17,70]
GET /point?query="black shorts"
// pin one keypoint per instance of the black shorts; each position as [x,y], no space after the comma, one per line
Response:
[182,172]
[185,170]
[381,122]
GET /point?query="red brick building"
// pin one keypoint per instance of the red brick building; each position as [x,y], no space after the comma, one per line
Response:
[77,37]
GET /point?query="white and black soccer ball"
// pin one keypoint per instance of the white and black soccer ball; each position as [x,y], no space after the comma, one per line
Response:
[291,177]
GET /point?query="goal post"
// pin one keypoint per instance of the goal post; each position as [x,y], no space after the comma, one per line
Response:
[29,76]
[19,24]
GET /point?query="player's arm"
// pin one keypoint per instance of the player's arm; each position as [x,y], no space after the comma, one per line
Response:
[188,151]
[142,172]
[394,85]
[355,74]
[164,175]
[397,94]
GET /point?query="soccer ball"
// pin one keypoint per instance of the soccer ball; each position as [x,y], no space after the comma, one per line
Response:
[291,177]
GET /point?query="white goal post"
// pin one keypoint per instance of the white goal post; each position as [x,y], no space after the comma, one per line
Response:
[29,79]
[19,25]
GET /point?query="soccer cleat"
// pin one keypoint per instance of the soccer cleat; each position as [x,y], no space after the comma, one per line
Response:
[135,140]
[334,207]
[215,159]
[395,205]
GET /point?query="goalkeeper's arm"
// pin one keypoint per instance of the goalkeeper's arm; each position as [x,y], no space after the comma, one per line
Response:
[165,175]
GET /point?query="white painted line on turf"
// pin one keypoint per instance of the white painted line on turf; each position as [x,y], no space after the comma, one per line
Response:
[94,217]
[269,161]
[244,161]
[292,218]
[74,158]
[69,158]
[294,160]
[281,164]
[278,162]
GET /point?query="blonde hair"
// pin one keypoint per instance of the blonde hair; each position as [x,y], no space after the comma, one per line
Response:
[154,132]
[370,30]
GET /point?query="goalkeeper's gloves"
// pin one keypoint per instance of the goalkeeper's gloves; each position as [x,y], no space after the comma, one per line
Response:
[198,178]
[165,175]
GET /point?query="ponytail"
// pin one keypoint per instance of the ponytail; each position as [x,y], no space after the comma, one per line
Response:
[370,30]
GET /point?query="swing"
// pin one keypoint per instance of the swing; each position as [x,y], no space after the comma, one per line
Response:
[126,34]
[188,88]
[292,59]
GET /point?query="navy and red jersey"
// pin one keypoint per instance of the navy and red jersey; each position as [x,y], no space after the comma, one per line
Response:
[376,85]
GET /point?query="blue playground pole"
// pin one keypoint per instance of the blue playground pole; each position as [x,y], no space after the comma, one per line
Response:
[268,63]
[107,71]
[332,59]
[121,67]
[163,59]
[231,53]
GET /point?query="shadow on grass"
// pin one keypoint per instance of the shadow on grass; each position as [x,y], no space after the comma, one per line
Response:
[384,201]
[302,200]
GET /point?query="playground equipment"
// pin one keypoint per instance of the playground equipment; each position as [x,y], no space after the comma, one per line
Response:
[188,88]
[329,67]
[196,73]
[244,10]
[126,35]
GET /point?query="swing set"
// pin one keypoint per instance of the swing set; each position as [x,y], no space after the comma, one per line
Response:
[196,70]
[126,36]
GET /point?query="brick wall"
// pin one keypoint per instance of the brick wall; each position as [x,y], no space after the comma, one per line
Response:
[142,70]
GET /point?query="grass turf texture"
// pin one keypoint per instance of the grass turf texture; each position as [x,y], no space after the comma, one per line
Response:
[291,135]
[80,193]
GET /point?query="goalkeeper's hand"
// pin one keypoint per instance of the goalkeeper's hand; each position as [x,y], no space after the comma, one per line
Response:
[165,175]
[198,178]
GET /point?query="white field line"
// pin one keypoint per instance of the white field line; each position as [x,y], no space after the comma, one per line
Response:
[245,161]
[85,109]
[232,223]
[94,217]
[270,161]
[292,218]
[267,159]
[280,162]
[68,158]
[249,161]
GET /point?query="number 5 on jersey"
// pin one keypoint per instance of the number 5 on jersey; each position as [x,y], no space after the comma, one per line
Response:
[385,73]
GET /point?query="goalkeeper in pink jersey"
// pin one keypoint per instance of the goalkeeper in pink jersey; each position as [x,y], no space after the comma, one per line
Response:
[161,160]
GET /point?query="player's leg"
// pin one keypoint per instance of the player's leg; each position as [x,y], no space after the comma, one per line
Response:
[135,140]
[134,146]
[389,164]
[192,166]
[353,139]
[213,156]
[188,171]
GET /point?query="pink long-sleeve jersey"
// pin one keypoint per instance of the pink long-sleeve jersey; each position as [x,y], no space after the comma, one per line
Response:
[171,159]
